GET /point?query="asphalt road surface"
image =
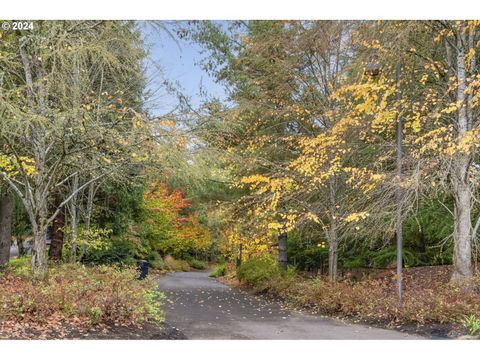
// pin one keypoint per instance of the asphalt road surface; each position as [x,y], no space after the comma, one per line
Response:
[204,308]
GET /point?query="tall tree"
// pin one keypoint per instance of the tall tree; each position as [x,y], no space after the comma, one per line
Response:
[281,75]
[61,116]
[439,101]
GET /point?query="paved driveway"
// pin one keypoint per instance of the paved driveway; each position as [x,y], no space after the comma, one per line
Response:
[203,308]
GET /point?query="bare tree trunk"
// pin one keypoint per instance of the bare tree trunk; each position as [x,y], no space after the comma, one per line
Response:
[91,194]
[462,231]
[36,201]
[332,234]
[282,250]
[5,228]
[332,253]
[55,251]
[462,234]
[38,261]
[21,247]
[73,220]
[39,216]
[88,214]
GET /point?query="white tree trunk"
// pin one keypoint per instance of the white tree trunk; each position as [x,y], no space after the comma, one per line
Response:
[38,261]
[462,234]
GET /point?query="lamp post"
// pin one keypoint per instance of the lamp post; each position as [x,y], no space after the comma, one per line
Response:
[398,189]
[374,69]
[239,255]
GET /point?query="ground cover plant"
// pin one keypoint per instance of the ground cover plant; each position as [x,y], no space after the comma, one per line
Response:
[76,297]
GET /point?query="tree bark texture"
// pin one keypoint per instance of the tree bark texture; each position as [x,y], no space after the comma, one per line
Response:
[462,233]
[5,228]
[282,250]
[55,251]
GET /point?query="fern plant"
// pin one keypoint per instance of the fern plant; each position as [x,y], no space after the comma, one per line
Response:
[472,324]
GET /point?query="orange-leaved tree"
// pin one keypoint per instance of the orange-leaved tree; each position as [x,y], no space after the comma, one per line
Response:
[168,224]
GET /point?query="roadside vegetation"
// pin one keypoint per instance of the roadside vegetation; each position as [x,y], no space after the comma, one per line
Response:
[74,297]
[430,300]
[218,271]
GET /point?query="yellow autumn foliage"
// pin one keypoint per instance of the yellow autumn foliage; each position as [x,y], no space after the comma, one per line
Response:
[12,166]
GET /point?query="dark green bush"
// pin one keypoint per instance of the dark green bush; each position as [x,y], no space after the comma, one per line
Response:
[122,206]
[306,251]
[120,251]
[387,256]
[264,274]
[379,259]
[258,270]
[356,262]
[156,261]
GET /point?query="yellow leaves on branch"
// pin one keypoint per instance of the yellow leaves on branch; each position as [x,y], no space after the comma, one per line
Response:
[273,185]
[415,122]
[371,100]
[436,68]
[451,108]
[136,122]
[286,223]
[275,226]
[274,188]
[253,182]
[443,34]
[374,44]
[258,243]
[13,167]
[321,157]
[364,179]
[383,121]
[442,140]
[434,140]
[167,123]
[468,58]
[471,26]
[181,142]
[465,144]
[311,216]
[424,79]
[356,217]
